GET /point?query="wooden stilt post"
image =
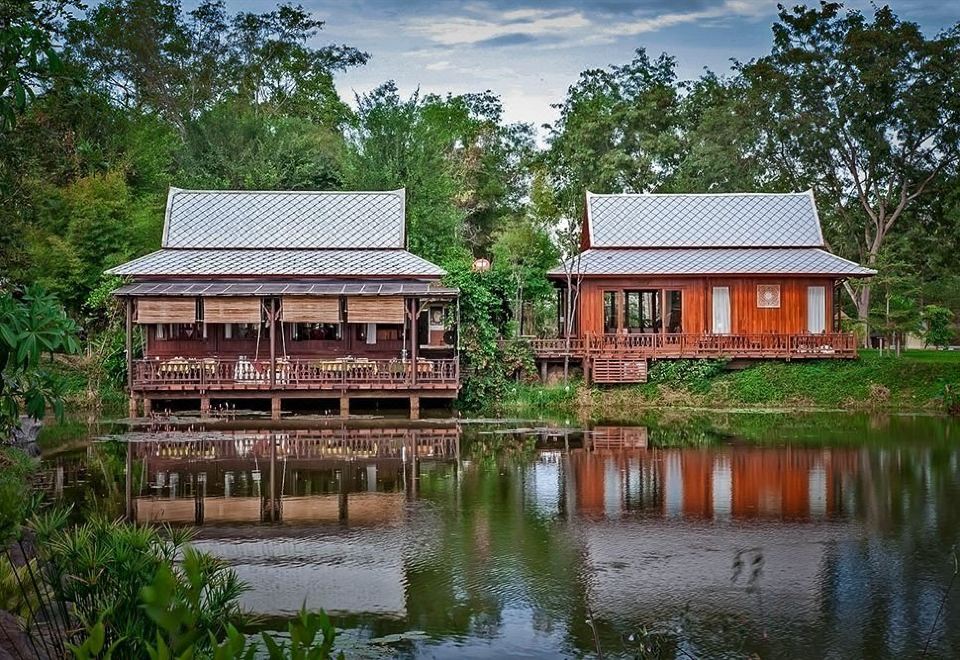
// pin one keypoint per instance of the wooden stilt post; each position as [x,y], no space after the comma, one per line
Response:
[129,350]
[275,407]
[204,405]
[414,406]
[147,406]
[273,347]
[414,341]
[344,405]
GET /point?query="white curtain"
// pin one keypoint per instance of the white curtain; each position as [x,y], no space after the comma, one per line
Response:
[371,333]
[816,309]
[721,310]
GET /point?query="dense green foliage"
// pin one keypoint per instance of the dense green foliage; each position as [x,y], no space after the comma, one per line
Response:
[139,95]
[15,497]
[32,326]
[101,567]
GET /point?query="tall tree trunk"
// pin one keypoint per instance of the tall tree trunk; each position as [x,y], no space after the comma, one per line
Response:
[863,312]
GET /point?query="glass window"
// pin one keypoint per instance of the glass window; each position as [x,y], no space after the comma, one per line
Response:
[721,310]
[179,331]
[816,309]
[643,310]
[316,331]
[610,311]
[249,331]
[673,316]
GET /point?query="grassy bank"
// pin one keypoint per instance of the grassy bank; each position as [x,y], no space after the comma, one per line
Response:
[922,381]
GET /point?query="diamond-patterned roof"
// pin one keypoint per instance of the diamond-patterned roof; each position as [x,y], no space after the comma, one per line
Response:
[721,261]
[284,219]
[708,220]
[301,263]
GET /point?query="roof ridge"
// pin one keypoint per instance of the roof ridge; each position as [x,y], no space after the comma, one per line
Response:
[808,191]
[213,191]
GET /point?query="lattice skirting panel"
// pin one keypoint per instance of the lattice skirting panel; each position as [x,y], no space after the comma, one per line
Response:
[618,371]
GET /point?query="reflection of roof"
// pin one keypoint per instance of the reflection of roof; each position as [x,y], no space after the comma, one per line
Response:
[708,220]
[279,262]
[284,219]
[692,261]
[340,569]
[281,288]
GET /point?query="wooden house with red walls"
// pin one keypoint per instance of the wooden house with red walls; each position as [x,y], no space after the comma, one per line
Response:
[743,275]
[288,295]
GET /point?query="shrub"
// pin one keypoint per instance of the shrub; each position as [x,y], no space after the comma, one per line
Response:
[15,498]
[937,330]
[99,569]
[694,375]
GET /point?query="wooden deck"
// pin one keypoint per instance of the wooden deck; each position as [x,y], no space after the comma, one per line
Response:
[234,375]
[781,346]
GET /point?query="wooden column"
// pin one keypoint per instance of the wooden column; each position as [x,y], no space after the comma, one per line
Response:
[273,346]
[275,407]
[414,406]
[147,406]
[205,405]
[344,405]
[414,341]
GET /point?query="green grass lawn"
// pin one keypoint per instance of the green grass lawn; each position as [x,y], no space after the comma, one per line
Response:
[916,381]
[942,357]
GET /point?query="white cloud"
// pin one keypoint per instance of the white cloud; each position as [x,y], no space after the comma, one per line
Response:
[442,65]
[729,8]
[480,23]
[460,30]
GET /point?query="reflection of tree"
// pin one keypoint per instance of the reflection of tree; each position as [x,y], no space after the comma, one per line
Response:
[493,551]
[881,593]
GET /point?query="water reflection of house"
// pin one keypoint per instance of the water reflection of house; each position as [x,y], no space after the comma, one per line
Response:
[743,482]
[348,474]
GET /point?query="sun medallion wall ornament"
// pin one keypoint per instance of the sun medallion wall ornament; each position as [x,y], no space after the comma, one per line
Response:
[768,296]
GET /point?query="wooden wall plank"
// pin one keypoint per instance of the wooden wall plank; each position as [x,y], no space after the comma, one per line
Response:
[747,318]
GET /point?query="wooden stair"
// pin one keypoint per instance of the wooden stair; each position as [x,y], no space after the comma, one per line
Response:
[618,370]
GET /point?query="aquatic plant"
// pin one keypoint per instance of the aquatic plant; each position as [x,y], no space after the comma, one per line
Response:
[95,573]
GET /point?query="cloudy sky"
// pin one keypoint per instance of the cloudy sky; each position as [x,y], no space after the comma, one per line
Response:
[530,52]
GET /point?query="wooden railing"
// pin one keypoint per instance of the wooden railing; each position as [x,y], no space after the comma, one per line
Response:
[203,374]
[695,346]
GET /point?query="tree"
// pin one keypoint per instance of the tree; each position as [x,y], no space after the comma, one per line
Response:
[28,59]
[617,131]
[866,111]
[937,325]
[234,147]
[32,324]
[524,253]
[147,55]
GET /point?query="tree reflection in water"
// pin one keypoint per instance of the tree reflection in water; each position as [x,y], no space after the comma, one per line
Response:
[645,539]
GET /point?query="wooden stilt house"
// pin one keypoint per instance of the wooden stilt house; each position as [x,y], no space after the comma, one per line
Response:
[288,295]
[703,275]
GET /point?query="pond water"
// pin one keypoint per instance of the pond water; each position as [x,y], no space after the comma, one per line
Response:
[680,536]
